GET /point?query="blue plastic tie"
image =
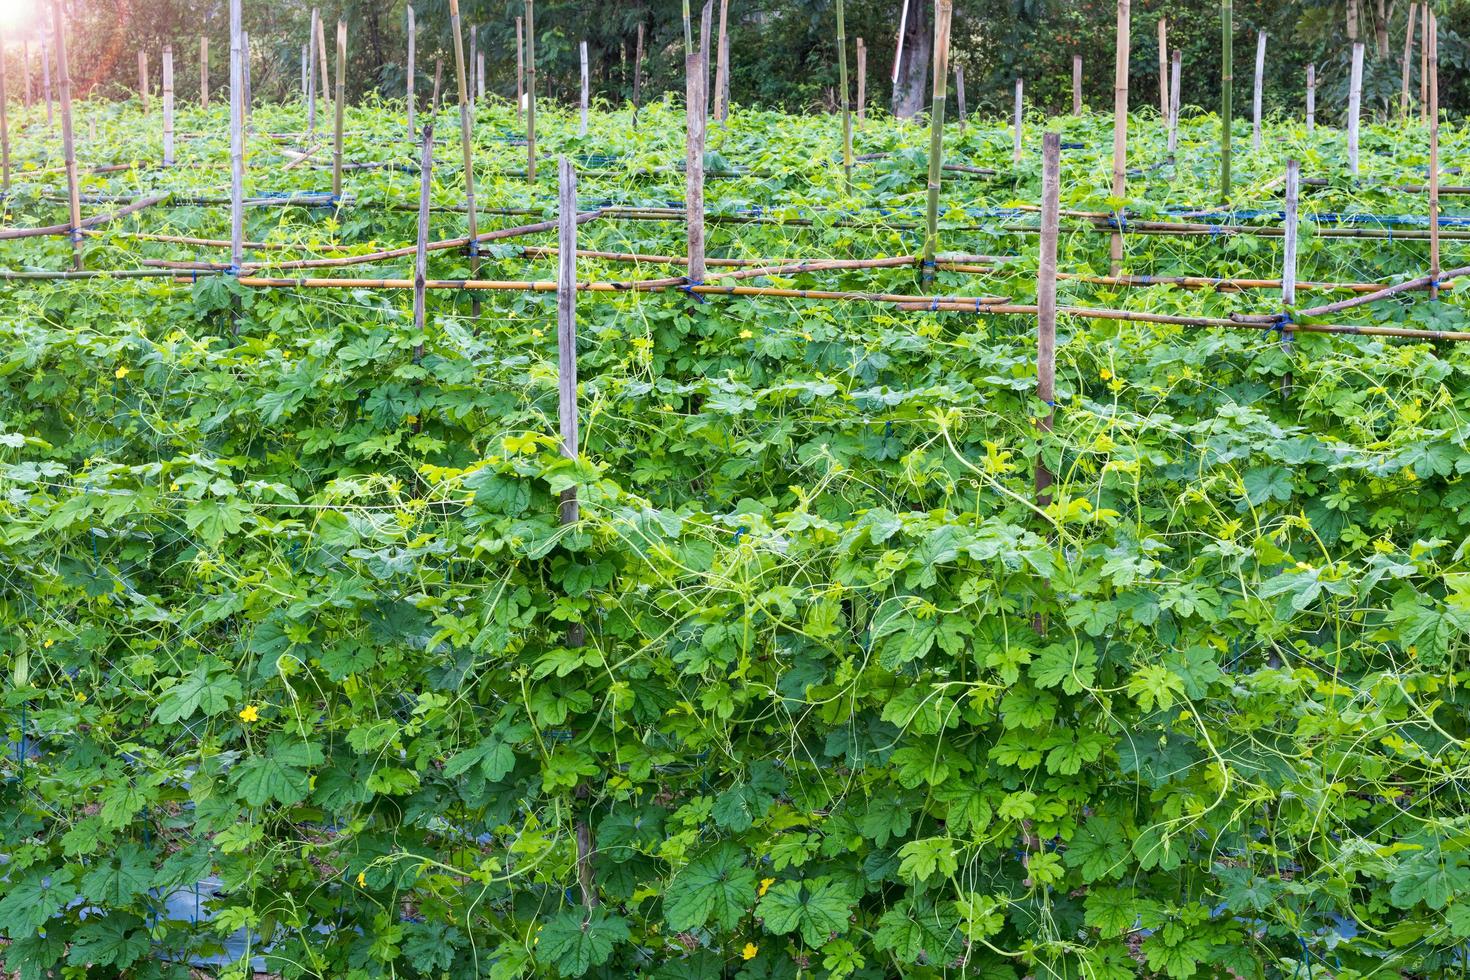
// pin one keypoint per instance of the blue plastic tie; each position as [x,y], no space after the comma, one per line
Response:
[934,305]
[474,248]
[1051,404]
[739,533]
[688,288]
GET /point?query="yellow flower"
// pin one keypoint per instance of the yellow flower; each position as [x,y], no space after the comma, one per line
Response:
[766,884]
[1105,374]
[121,372]
[173,487]
[361,880]
[746,335]
[748,953]
[49,644]
[249,713]
[412,419]
[81,697]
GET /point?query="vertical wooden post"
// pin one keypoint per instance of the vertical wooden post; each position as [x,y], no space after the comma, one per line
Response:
[4,132]
[1256,95]
[203,72]
[862,81]
[68,144]
[46,82]
[1046,299]
[1163,68]
[1355,106]
[1227,81]
[1433,44]
[246,98]
[582,123]
[338,108]
[421,246]
[1020,114]
[1288,260]
[530,90]
[168,105]
[842,87]
[694,116]
[466,144]
[411,69]
[143,79]
[1311,98]
[722,72]
[521,66]
[305,71]
[480,76]
[237,141]
[311,90]
[474,57]
[1076,85]
[566,405]
[1174,80]
[1120,127]
[1408,61]
[943,12]
[1425,24]
[321,57]
[959,96]
[637,75]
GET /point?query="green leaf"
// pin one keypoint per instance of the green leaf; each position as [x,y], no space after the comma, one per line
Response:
[716,885]
[922,859]
[207,688]
[279,774]
[575,943]
[33,899]
[116,940]
[817,908]
[123,874]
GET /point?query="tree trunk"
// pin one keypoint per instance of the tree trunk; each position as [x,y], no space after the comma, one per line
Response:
[1380,30]
[913,68]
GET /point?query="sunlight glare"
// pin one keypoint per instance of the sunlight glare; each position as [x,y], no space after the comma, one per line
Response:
[18,15]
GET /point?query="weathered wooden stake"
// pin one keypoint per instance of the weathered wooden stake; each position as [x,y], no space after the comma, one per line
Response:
[1046,299]
[168,105]
[4,131]
[959,96]
[411,69]
[1311,98]
[305,71]
[1433,45]
[1425,24]
[203,72]
[1355,105]
[1076,85]
[247,99]
[722,71]
[1288,261]
[694,116]
[521,66]
[1163,68]
[480,76]
[842,87]
[142,79]
[1256,95]
[321,57]
[943,12]
[1020,121]
[1408,61]
[566,324]
[1227,81]
[1174,80]
[421,246]
[466,144]
[1120,126]
[68,144]
[637,75]
[862,81]
[311,90]
[237,141]
[530,90]
[474,56]
[338,108]
[582,124]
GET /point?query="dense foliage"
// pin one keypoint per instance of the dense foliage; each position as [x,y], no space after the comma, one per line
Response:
[285,607]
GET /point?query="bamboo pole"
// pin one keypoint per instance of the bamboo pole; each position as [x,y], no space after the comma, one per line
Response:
[566,324]
[474,36]
[943,11]
[339,105]
[959,96]
[530,90]
[143,80]
[1020,123]
[46,82]
[1425,23]
[82,224]
[1355,104]
[480,76]
[1163,68]
[842,86]
[168,105]
[1175,72]
[1120,124]
[637,75]
[1046,299]
[694,80]
[1311,98]
[862,81]
[25,63]
[321,57]
[237,142]
[582,124]
[410,70]
[4,130]
[204,72]
[305,71]
[1227,79]
[521,66]
[1076,85]
[421,247]
[1288,263]
[466,142]
[311,89]
[722,71]
[246,97]
[1408,61]
[68,143]
[1256,92]
[1433,44]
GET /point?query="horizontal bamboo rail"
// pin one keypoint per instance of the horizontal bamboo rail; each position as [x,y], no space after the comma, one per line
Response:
[7,234]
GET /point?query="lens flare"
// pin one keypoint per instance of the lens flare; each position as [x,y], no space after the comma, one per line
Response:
[19,15]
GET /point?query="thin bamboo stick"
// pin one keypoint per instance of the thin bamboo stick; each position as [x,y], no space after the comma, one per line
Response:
[842,87]
[480,76]
[204,72]
[474,36]
[1020,122]
[637,75]
[1311,98]
[582,124]
[143,80]
[410,70]
[1046,300]
[305,71]
[862,81]
[466,143]
[25,63]
[1408,60]
[237,142]
[247,99]
[694,122]
[1433,43]
[311,90]
[321,58]
[1076,85]
[1227,81]
[339,106]
[81,224]
[1424,34]
[68,143]
[722,72]
[521,66]
[46,82]
[530,90]
[1175,71]
[1120,123]
[1288,262]
[168,105]
[961,109]
[1256,94]
[1163,68]
[566,324]
[421,247]
[4,128]
[1355,104]
[944,9]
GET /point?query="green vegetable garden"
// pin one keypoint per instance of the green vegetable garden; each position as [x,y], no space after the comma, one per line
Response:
[728,550]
